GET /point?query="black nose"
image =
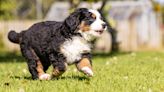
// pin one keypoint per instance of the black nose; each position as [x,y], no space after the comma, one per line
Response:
[104,25]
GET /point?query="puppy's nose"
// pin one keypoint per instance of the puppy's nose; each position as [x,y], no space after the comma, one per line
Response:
[104,25]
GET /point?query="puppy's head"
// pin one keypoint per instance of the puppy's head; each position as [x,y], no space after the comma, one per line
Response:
[87,22]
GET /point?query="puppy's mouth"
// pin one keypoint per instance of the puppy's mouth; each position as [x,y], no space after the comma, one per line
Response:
[100,31]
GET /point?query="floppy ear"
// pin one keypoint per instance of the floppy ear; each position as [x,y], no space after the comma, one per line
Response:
[74,20]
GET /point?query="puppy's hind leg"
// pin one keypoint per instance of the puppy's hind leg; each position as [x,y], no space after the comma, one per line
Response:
[34,64]
[27,53]
[41,74]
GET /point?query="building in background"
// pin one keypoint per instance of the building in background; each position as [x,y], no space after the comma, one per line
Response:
[136,23]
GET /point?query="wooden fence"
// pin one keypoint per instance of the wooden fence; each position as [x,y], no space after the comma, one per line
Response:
[6,26]
[128,37]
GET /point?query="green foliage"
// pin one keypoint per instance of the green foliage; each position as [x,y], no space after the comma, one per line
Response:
[120,72]
[22,9]
[162,11]
[1,42]
[7,9]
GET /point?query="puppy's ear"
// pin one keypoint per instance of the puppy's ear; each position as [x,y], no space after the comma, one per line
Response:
[74,20]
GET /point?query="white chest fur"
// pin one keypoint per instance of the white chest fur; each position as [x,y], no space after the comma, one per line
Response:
[72,49]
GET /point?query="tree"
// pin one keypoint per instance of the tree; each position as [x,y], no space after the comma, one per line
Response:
[111,30]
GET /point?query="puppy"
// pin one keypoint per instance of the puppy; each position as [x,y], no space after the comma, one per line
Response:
[60,43]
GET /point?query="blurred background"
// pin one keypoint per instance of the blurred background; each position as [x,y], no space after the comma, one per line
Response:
[133,25]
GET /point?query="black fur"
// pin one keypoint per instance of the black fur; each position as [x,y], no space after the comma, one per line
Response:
[13,36]
[42,41]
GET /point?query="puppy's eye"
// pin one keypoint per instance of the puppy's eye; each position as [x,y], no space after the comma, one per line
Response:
[89,21]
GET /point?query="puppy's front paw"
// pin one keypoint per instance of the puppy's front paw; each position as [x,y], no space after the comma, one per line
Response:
[45,77]
[86,70]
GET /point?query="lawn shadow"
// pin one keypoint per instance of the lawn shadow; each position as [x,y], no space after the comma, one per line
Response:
[80,78]
[23,77]
[11,57]
[14,57]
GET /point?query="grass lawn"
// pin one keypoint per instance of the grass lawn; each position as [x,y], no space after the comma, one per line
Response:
[121,72]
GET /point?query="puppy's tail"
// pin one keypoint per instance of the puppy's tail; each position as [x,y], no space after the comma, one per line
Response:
[14,37]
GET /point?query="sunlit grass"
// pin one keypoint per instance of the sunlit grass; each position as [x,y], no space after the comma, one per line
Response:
[120,72]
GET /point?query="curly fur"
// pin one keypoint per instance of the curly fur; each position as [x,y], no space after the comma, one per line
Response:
[43,41]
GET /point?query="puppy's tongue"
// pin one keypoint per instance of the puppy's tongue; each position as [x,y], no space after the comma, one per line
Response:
[87,71]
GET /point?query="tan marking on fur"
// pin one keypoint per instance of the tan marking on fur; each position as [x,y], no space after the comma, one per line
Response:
[93,16]
[57,73]
[85,62]
[39,68]
[84,27]
[34,54]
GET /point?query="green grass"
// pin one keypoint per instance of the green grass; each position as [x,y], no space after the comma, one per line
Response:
[120,72]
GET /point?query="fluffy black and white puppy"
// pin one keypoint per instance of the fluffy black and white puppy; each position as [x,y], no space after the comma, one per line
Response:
[60,43]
